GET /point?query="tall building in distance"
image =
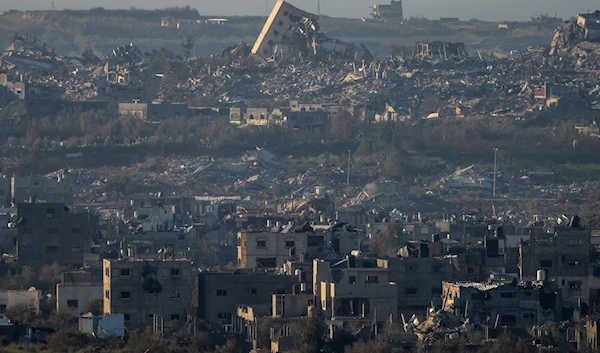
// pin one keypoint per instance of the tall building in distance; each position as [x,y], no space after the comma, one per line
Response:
[392,11]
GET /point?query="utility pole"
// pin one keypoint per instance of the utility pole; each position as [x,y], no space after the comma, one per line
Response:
[319,8]
[495,169]
[348,175]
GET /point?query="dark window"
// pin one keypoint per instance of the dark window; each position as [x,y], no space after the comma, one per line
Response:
[127,317]
[411,268]
[51,230]
[175,295]
[2,308]
[72,303]
[285,13]
[125,272]
[107,294]
[280,23]
[275,33]
[528,315]
[575,285]
[437,268]
[290,243]
[268,262]
[181,236]
[470,269]
[51,249]
[76,230]
[174,272]
[546,263]
[270,42]
[51,211]
[221,292]
[508,319]
[372,279]
[507,295]
[107,272]
[251,290]
[574,263]
[175,317]
[411,291]
[125,295]
[352,280]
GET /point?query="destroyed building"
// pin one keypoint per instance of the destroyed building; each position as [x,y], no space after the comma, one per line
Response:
[280,27]
[393,11]
[581,36]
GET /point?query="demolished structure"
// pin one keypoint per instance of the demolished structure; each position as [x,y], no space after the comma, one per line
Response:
[288,26]
[581,37]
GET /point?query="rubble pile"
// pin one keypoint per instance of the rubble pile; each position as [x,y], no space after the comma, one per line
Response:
[438,325]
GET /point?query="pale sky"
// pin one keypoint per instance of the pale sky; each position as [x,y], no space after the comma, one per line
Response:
[464,9]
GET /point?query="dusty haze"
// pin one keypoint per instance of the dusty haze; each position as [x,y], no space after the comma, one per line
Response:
[464,9]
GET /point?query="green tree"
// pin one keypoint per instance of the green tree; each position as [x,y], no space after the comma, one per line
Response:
[311,333]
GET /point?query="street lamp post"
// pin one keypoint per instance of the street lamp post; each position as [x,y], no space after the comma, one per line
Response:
[495,170]
[348,174]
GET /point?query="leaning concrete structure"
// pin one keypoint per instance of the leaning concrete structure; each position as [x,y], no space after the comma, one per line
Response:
[280,26]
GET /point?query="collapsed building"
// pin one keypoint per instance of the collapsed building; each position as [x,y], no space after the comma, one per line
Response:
[290,27]
[581,36]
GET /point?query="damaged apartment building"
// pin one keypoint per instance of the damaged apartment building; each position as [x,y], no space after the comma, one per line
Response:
[393,11]
[565,258]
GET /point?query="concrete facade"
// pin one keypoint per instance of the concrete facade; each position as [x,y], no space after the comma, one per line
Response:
[51,232]
[40,188]
[271,250]
[220,294]
[564,257]
[419,281]
[142,289]
[279,28]
[76,292]
[13,298]
[508,304]
[355,288]
[154,111]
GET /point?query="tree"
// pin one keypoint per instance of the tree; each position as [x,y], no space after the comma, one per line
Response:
[387,243]
[187,45]
[311,333]
[68,341]
[94,306]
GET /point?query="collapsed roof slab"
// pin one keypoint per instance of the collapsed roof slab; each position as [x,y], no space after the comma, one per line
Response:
[279,27]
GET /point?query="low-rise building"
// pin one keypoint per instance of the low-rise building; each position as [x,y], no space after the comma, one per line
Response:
[355,288]
[273,249]
[29,299]
[77,292]
[154,111]
[220,294]
[144,290]
[504,304]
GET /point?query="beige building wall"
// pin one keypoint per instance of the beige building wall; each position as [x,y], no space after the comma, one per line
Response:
[73,298]
[255,247]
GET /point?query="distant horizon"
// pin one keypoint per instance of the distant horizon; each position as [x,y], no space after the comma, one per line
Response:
[486,10]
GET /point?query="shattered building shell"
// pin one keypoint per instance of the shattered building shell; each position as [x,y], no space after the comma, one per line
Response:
[278,28]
